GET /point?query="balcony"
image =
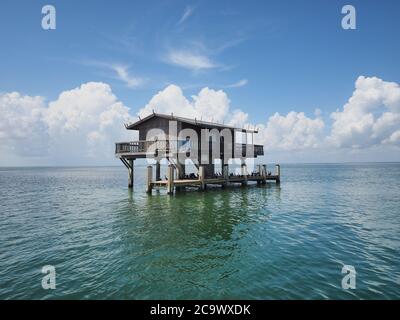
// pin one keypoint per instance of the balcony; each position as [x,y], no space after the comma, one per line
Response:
[143,149]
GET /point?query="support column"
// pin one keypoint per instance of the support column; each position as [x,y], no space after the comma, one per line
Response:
[259,172]
[149,179]
[170,182]
[264,173]
[244,172]
[201,177]
[180,174]
[278,173]
[158,170]
[225,174]
[180,171]
[130,174]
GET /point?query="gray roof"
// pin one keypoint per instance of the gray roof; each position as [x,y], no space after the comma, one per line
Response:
[196,122]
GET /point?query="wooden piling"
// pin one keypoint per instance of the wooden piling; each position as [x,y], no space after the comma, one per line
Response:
[264,174]
[158,170]
[201,177]
[180,174]
[130,174]
[278,173]
[225,173]
[244,173]
[149,185]
[259,172]
[170,182]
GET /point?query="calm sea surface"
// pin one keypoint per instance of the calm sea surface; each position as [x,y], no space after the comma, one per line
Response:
[271,242]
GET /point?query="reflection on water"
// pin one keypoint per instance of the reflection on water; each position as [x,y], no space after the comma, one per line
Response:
[191,241]
[261,242]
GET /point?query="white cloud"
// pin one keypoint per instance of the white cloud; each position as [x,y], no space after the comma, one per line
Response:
[119,71]
[86,121]
[123,75]
[291,132]
[393,139]
[208,104]
[240,83]
[189,60]
[21,130]
[238,118]
[186,14]
[83,122]
[295,131]
[370,117]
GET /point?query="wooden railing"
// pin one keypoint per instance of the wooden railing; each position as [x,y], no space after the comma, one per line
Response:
[143,146]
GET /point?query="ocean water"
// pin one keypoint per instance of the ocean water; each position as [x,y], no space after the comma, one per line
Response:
[287,241]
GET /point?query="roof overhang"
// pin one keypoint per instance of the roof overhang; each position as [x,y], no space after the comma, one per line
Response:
[196,122]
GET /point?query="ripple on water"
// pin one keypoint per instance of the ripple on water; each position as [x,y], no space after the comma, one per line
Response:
[270,242]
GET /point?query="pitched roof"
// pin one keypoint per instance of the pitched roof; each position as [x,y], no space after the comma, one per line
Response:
[196,122]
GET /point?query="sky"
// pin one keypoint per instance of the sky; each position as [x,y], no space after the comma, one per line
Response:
[315,91]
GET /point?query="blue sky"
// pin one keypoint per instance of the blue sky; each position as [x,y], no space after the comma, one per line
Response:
[267,56]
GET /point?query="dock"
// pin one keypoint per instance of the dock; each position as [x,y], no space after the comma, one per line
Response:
[260,177]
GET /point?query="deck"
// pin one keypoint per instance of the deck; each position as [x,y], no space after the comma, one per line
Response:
[261,177]
[151,149]
[218,181]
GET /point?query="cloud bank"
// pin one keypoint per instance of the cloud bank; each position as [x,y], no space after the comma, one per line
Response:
[82,124]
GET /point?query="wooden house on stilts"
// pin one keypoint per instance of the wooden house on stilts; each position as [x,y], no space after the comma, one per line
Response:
[177,139]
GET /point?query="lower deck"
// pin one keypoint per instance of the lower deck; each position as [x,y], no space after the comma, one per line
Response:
[171,183]
[176,179]
[216,181]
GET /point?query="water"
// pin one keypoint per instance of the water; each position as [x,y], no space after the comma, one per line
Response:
[270,242]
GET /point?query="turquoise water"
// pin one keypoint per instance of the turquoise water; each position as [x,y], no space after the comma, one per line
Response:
[269,242]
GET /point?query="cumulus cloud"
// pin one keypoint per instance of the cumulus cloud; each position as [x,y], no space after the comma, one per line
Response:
[82,122]
[86,121]
[291,132]
[370,117]
[21,130]
[295,131]
[208,104]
